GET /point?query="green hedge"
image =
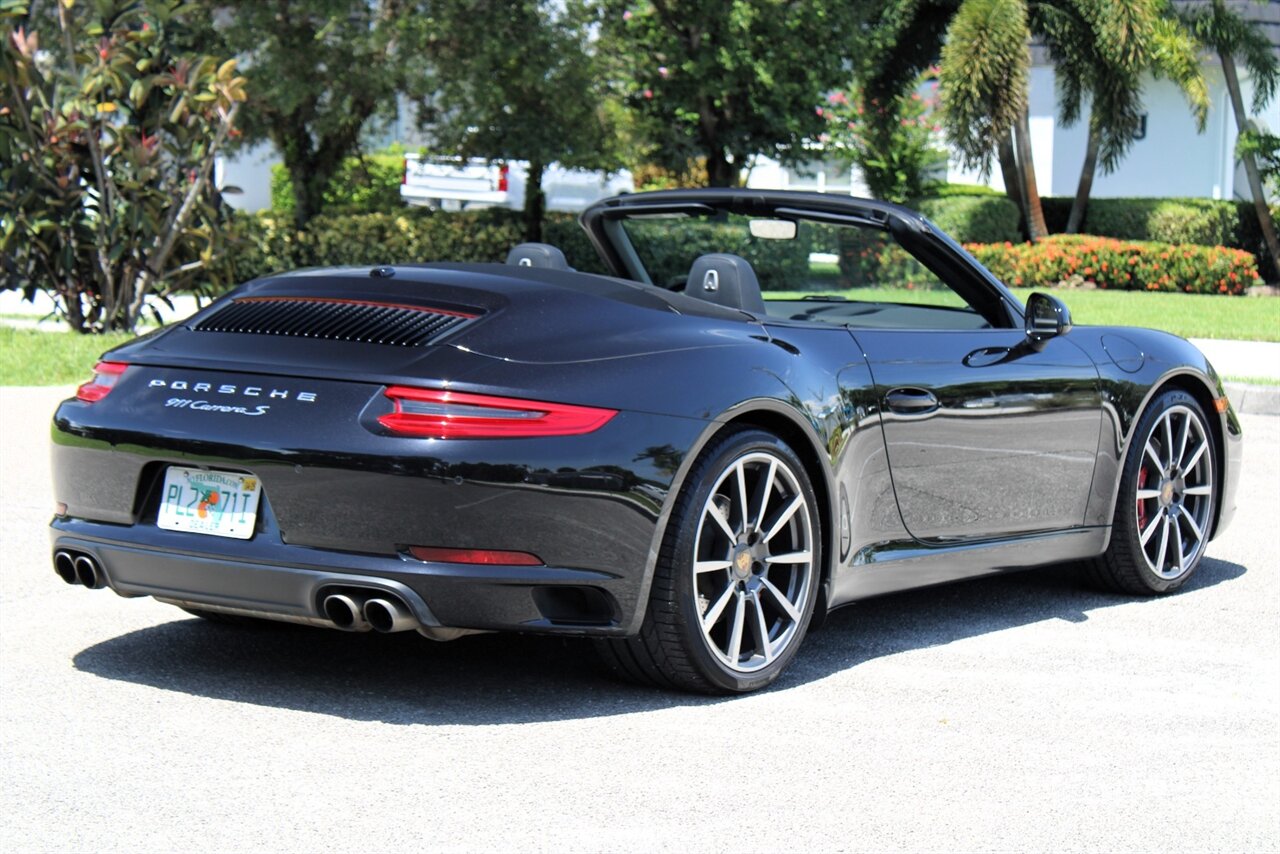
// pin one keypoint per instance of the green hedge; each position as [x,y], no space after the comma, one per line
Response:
[1208,222]
[988,218]
[366,184]
[1076,260]
[268,244]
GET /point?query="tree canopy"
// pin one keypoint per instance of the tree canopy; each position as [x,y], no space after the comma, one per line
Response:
[318,71]
[722,82]
[518,80]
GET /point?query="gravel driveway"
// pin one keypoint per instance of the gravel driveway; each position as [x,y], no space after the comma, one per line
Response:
[1020,712]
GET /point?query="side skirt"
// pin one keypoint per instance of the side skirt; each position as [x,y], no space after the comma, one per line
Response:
[905,565]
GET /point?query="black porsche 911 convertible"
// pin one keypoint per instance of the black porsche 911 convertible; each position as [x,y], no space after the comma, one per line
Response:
[660,458]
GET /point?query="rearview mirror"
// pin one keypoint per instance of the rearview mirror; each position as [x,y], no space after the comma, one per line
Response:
[773,229]
[1046,317]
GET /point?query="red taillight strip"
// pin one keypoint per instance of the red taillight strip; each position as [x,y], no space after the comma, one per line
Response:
[105,377]
[477,556]
[458,415]
[373,303]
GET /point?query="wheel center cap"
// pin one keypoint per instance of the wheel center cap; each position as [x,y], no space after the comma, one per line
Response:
[742,563]
[1166,493]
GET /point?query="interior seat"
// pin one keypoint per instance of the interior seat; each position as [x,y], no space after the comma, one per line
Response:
[726,280]
[537,255]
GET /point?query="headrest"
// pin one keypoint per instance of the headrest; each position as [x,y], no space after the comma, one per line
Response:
[537,255]
[727,280]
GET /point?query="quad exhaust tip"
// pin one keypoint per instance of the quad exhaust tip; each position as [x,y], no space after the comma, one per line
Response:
[356,612]
[78,568]
[388,615]
[64,563]
[345,613]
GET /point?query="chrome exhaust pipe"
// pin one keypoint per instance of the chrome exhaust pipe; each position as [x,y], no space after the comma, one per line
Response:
[388,615]
[87,572]
[64,563]
[345,613]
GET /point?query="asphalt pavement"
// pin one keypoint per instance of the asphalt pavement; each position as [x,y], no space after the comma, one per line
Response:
[1021,712]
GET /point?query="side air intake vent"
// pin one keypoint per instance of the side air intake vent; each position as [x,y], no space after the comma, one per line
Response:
[335,320]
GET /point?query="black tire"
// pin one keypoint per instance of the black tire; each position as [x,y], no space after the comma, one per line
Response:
[700,569]
[1167,501]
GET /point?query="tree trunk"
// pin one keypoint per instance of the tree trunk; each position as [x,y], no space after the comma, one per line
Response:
[535,202]
[1251,163]
[1036,228]
[720,172]
[1012,180]
[1087,171]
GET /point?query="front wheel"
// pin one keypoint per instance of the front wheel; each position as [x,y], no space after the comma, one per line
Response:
[737,576]
[1166,503]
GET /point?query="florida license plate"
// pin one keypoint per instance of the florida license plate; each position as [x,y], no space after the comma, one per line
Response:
[221,503]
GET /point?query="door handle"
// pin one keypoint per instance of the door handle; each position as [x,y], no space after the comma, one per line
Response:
[911,401]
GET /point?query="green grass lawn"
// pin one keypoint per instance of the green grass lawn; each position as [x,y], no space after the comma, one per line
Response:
[31,357]
[1188,315]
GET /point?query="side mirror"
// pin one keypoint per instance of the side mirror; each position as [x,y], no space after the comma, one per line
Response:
[1046,317]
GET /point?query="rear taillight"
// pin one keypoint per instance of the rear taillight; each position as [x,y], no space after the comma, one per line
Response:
[439,414]
[105,377]
[503,171]
[476,556]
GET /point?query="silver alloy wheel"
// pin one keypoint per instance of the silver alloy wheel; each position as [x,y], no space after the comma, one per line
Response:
[753,562]
[1174,492]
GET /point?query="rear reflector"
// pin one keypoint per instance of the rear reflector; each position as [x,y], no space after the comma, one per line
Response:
[105,377]
[1221,404]
[479,556]
[503,183]
[438,414]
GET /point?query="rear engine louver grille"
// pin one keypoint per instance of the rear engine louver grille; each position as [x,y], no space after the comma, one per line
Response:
[335,320]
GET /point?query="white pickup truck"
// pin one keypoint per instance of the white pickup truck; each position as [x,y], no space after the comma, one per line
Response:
[452,185]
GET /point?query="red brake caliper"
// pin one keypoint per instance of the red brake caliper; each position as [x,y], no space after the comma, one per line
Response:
[1142,507]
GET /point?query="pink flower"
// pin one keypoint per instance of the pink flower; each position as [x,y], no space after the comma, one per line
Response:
[626,16]
[838,98]
[648,94]
[662,71]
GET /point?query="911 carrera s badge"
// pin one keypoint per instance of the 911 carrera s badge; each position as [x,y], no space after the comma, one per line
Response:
[206,406]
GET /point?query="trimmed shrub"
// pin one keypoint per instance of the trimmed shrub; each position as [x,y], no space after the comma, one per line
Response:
[1076,260]
[973,219]
[946,191]
[269,244]
[366,184]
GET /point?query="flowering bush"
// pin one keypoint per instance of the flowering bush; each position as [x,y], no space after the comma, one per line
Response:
[1127,265]
[895,144]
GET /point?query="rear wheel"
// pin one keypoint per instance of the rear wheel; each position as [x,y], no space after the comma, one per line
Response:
[1168,492]
[736,579]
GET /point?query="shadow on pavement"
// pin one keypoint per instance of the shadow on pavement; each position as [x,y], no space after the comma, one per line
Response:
[495,679]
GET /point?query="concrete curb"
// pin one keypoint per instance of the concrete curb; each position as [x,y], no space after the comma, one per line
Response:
[1254,399]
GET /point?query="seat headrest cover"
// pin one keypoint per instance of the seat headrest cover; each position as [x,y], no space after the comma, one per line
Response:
[537,255]
[727,280]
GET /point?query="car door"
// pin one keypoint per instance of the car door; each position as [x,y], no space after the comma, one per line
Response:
[986,435]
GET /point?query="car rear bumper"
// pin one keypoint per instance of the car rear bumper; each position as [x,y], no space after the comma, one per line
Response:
[268,578]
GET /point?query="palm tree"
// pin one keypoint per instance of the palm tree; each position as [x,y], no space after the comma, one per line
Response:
[1233,38]
[1101,48]
[985,66]
[1141,39]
